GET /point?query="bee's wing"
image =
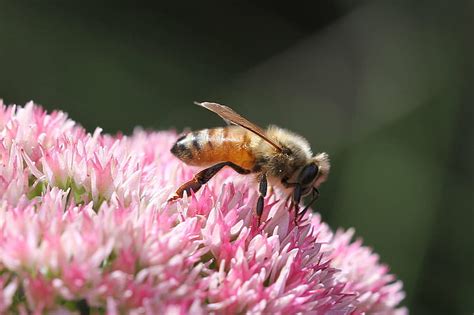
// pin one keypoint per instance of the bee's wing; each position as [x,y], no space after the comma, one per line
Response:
[230,116]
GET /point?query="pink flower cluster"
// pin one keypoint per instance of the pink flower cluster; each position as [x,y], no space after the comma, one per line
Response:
[85,226]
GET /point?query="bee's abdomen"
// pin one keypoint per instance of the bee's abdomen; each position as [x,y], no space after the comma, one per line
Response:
[211,146]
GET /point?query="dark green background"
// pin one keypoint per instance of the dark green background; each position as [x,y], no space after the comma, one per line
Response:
[386,89]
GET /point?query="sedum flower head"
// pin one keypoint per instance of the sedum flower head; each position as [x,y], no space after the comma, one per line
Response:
[85,225]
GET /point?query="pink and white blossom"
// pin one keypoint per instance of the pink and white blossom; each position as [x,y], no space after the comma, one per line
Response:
[85,222]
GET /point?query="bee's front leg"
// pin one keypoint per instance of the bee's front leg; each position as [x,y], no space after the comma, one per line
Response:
[315,196]
[296,202]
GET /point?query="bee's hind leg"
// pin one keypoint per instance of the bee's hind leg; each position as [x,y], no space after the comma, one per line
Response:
[203,177]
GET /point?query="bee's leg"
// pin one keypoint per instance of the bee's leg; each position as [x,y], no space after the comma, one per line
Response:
[296,201]
[314,197]
[262,190]
[203,177]
[297,209]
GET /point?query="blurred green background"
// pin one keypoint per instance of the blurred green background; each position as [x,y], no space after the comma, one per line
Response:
[385,87]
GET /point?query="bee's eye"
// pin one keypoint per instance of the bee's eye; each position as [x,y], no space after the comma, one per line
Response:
[308,174]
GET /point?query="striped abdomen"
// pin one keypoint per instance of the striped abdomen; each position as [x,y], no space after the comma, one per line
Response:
[211,146]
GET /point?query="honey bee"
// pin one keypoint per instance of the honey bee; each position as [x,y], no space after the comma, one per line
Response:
[274,155]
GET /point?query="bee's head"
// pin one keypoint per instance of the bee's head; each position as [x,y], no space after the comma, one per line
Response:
[322,161]
[308,180]
[314,173]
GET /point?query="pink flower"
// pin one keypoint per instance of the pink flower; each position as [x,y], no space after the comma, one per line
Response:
[8,286]
[85,223]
